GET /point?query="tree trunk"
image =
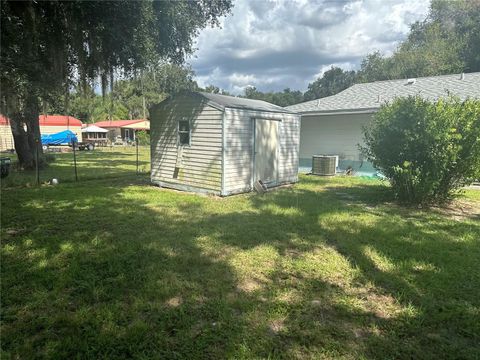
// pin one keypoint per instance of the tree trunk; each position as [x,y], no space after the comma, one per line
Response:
[20,139]
[27,142]
[32,110]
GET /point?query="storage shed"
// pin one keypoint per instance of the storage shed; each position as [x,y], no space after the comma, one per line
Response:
[222,144]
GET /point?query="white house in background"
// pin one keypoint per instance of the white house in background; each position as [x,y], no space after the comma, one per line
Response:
[222,144]
[333,125]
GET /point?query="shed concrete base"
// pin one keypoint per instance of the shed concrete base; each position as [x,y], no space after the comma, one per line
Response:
[194,189]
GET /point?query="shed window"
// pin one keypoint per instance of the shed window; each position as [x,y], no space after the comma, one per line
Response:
[184,132]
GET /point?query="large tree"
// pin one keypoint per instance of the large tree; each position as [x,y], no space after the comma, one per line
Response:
[151,87]
[281,98]
[131,96]
[446,42]
[374,67]
[332,82]
[454,27]
[47,44]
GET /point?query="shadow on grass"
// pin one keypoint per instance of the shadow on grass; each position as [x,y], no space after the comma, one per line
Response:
[110,270]
[90,165]
[424,262]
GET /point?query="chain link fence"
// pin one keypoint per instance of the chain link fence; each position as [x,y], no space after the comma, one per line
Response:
[63,164]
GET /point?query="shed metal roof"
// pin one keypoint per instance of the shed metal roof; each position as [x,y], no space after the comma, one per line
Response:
[370,96]
[225,101]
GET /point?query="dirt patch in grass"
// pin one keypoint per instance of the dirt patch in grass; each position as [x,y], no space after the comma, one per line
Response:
[14,232]
[383,306]
[460,210]
[276,326]
[249,285]
[174,302]
[291,296]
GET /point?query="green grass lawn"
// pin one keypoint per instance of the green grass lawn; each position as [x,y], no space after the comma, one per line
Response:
[326,269]
[101,163]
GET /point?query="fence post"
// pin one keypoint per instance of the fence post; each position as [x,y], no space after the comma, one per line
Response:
[37,169]
[136,145]
[74,159]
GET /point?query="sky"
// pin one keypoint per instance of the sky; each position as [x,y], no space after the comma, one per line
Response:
[274,45]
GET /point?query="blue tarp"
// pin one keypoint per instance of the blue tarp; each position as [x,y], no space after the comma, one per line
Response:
[63,137]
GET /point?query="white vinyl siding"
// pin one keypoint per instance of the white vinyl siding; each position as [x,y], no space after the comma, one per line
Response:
[6,138]
[288,149]
[201,161]
[239,145]
[238,151]
[333,135]
[220,157]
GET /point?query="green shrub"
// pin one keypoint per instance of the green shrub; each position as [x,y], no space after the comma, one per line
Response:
[143,137]
[428,150]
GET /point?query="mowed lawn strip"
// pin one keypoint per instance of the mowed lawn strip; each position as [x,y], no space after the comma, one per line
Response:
[328,268]
[103,162]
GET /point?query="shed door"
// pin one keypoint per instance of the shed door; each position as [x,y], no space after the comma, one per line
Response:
[266,135]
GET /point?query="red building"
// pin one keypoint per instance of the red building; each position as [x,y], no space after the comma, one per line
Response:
[125,129]
[49,124]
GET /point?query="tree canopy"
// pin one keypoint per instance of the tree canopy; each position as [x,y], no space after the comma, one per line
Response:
[130,97]
[332,82]
[48,44]
[281,98]
[446,42]
[54,52]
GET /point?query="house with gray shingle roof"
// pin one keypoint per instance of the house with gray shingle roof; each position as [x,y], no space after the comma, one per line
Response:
[333,125]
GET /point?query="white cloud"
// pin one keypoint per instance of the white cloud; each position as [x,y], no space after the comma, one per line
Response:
[277,44]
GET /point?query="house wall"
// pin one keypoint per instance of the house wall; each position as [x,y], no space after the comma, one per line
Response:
[122,132]
[112,133]
[196,167]
[333,135]
[6,138]
[239,147]
[129,132]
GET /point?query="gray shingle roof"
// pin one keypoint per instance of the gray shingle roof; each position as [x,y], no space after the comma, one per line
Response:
[232,102]
[370,96]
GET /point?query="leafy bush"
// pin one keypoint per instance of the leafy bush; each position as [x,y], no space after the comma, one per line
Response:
[428,150]
[143,137]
